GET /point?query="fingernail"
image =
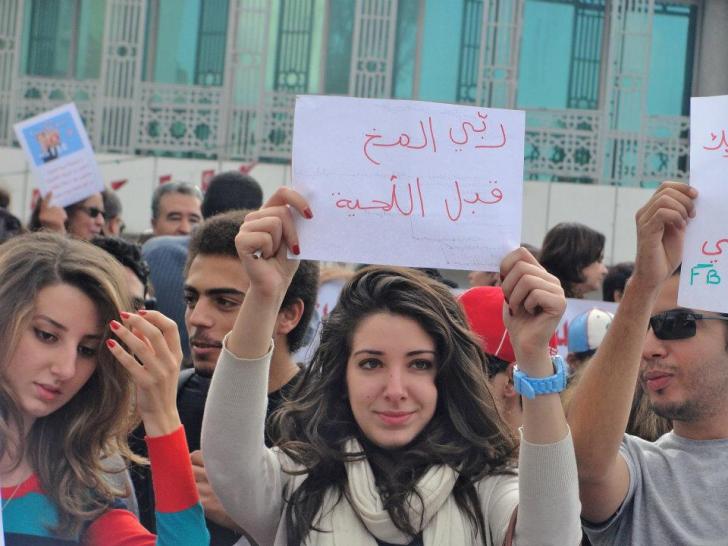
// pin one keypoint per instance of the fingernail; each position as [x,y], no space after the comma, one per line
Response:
[296,250]
[142,312]
[110,343]
[114,325]
[124,315]
[307,213]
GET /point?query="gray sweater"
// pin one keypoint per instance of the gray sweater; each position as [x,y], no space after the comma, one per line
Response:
[250,479]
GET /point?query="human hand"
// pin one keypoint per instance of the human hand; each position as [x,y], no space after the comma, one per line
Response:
[534,303]
[661,224]
[50,216]
[152,357]
[210,503]
[264,239]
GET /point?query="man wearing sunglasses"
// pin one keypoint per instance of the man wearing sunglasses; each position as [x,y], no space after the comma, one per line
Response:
[672,491]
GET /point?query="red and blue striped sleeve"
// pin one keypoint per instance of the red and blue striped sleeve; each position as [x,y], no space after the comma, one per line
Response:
[179,515]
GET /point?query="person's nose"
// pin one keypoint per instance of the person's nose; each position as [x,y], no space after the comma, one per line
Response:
[63,366]
[653,348]
[199,316]
[396,389]
[184,227]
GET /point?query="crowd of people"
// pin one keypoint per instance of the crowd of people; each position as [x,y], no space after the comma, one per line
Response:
[153,392]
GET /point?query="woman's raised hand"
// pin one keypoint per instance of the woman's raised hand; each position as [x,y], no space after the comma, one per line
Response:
[265,238]
[152,357]
[52,217]
[534,304]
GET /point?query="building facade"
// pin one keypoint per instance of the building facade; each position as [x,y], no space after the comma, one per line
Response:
[605,83]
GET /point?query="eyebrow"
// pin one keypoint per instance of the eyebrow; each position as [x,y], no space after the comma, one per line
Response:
[63,328]
[52,322]
[379,353]
[215,291]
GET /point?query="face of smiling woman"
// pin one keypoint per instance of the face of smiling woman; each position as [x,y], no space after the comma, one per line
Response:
[390,377]
[57,351]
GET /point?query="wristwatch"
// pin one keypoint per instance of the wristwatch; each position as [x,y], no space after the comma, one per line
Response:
[530,387]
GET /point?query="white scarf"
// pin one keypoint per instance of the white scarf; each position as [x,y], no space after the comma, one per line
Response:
[442,520]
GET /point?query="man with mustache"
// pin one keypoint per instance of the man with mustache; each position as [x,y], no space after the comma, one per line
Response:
[214,288]
[671,491]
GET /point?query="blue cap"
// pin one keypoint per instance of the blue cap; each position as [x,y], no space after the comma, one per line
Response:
[587,330]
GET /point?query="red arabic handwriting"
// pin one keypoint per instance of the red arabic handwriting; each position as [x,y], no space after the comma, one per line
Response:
[466,137]
[723,143]
[468,129]
[406,206]
[717,250]
[404,141]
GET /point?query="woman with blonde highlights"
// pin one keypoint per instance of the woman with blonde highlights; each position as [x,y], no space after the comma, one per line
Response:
[391,436]
[66,394]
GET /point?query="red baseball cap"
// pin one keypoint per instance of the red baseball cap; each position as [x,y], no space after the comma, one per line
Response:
[483,306]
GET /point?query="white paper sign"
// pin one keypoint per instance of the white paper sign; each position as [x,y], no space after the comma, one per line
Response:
[408,183]
[60,155]
[704,274]
[576,307]
[328,297]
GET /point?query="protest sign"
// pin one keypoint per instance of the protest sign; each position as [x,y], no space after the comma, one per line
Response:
[706,237]
[408,183]
[60,155]
[576,307]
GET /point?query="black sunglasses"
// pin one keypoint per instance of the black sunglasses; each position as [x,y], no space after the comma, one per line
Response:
[677,323]
[93,212]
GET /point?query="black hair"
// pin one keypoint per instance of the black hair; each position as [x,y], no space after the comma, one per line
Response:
[127,253]
[616,279]
[567,249]
[231,190]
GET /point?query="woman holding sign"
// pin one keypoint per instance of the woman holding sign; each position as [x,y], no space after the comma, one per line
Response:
[82,220]
[392,436]
[66,392]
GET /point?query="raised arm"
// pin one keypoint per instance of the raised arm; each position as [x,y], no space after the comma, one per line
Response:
[245,475]
[601,403]
[152,356]
[548,511]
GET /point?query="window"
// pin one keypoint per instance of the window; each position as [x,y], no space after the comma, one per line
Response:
[561,54]
[64,38]
[186,41]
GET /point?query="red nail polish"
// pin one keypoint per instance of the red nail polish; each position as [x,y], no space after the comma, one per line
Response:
[307,213]
[124,315]
[296,250]
[110,343]
[114,325]
[142,312]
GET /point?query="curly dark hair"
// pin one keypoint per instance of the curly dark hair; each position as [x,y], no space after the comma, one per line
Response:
[466,432]
[127,253]
[567,249]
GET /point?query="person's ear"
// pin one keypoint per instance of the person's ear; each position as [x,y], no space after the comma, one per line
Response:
[509,390]
[289,317]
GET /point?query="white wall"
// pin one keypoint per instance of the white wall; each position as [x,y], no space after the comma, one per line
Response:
[607,209]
